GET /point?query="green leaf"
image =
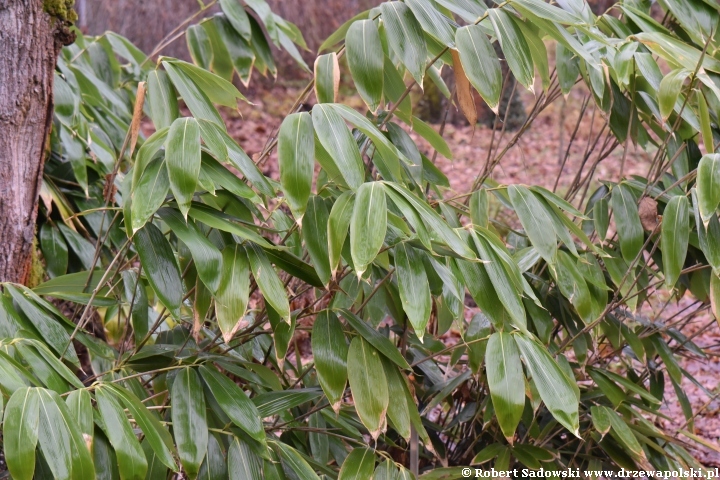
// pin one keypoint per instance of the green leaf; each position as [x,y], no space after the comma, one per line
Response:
[538,51]
[405,37]
[327,78]
[131,458]
[338,224]
[79,404]
[624,433]
[237,16]
[507,282]
[670,88]
[232,296]
[336,138]
[135,293]
[234,402]
[399,410]
[272,403]
[387,158]
[205,254]
[536,221]
[480,63]
[158,261]
[199,46]
[573,286]
[163,99]
[195,99]
[505,380]
[183,160]
[155,433]
[368,225]
[627,220]
[189,421]
[267,279]
[20,432]
[296,159]
[292,460]
[601,418]
[61,442]
[432,21]
[318,440]
[708,185]
[330,352]
[242,462]
[368,385]
[675,235]
[314,233]
[147,153]
[54,249]
[217,89]
[50,330]
[677,52]
[225,149]
[554,386]
[601,218]
[365,59]
[479,208]
[435,223]
[359,465]
[413,286]
[221,62]
[149,193]
[514,46]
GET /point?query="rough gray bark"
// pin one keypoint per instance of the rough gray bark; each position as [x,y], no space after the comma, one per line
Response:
[29,41]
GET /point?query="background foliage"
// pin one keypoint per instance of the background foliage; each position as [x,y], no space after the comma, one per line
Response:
[179,273]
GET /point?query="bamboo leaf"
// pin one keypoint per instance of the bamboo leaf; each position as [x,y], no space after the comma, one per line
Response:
[296,159]
[237,16]
[708,185]
[504,374]
[359,465]
[627,220]
[314,232]
[156,435]
[232,296]
[413,286]
[61,442]
[189,421]
[338,224]
[368,225]
[131,458]
[234,402]
[54,249]
[675,235]
[327,78]
[534,218]
[242,462]
[20,432]
[554,386]
[268,281]
[365,59]
[183,160]
[368,385]
[514,46]
[481,63]
[339,143]
[405,37]
[163,99]
[158,261]
[330,353]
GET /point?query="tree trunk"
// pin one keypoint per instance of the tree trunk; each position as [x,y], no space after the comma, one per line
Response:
[29,41]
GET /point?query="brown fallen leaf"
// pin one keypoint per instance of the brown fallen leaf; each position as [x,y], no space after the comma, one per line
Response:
[648,214]
[464,90]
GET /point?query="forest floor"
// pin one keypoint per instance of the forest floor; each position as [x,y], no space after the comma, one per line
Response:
[536,159]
